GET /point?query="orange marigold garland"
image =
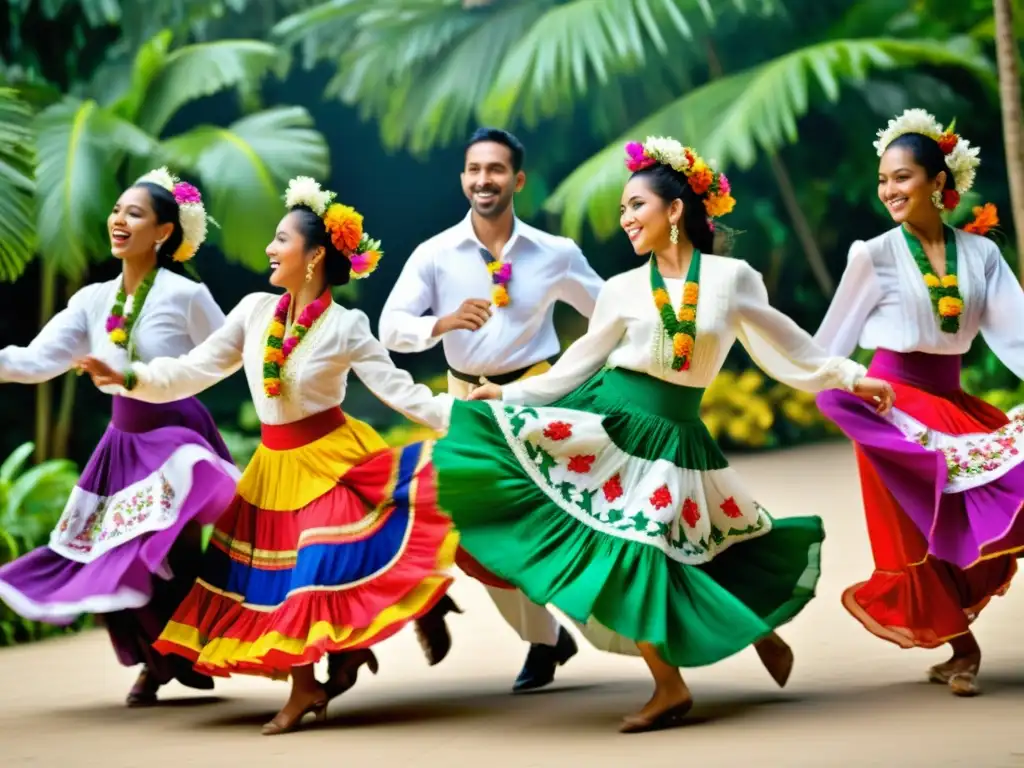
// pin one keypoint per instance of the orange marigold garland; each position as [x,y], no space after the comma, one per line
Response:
[681,327]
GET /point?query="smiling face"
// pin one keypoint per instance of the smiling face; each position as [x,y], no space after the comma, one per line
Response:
[488,179]
[904,187]
[646,218]
[133,227]
[289,252]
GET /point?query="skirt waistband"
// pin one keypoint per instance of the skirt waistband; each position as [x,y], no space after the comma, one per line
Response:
[136,417]
[660,398]
[284,437]
[923,370]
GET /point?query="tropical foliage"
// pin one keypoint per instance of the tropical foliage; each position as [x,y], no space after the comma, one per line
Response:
[31,501]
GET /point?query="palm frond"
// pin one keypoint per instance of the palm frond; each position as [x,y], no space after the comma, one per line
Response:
[244,169]
[17,204]
[576,45]
[194,71]
[730,120]
[80,146]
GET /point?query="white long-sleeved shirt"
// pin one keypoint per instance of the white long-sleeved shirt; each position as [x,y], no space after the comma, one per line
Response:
[448,269]
[626,332]
[177,315]
[883,302]
[314,378]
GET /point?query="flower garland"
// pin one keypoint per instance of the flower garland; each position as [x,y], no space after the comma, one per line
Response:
[278,348]
[961,158]
[344,224]
[501,274]
[119,324]
[192,213]
[681,328]
[944,292]
[703,180]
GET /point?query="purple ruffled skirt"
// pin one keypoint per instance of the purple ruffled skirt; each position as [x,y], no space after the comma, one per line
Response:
[128,543]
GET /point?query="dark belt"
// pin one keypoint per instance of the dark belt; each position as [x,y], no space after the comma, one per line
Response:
[501,379]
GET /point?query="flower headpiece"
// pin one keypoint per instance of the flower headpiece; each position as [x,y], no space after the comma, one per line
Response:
[344,224]
[703,180]
[961,157]
[191,213]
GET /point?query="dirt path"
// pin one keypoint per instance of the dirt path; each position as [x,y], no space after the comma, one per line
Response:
[852,701]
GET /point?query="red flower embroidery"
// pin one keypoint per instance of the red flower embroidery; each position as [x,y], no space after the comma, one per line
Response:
[731,508]
[661,498]
[691,513]
[581,464]
[613,489]
[558,431]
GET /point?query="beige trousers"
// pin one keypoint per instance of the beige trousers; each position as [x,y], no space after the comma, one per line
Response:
[533,622]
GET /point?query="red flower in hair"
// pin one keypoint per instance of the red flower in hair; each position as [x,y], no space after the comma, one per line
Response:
[950,199]
[947,142]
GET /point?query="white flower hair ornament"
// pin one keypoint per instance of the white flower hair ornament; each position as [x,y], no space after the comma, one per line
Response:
[961,158]
[303,190]
[192,214]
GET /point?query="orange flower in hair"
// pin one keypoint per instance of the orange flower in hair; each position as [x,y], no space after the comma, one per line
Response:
[345,226]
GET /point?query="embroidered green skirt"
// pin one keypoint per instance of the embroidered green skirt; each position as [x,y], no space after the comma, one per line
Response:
[616,505]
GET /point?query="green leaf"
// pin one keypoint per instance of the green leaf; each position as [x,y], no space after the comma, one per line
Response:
[244,170]
[149,61]
[17,202]
[754,111]
[14,462]
[575,45]
[80,147]
[32,482]
[194,71]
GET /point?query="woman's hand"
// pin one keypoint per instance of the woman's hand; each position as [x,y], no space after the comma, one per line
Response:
[102,374]
[486,392]
[877,392]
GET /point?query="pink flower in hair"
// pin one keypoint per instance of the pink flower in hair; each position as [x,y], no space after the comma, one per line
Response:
[724,187]
[637,160]
[186,193]
[711,224]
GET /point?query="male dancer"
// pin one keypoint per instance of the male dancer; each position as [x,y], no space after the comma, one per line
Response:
[486,288]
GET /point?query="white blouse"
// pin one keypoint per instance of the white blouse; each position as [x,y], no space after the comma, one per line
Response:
[883,302]
[626,332]
[314,378]
[177,315]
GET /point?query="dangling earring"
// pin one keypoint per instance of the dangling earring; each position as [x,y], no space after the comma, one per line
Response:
[673,234]
[937,200]
[309,271]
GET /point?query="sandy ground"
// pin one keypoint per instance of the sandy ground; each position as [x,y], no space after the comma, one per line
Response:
[853,700]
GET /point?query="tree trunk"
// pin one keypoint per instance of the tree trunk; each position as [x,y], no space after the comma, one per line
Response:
[803,227]
[1010,101]
[66,411]
[44,392]
[800,223]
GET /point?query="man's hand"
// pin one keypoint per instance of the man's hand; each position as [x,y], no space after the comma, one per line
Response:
[471,316]
[102,374]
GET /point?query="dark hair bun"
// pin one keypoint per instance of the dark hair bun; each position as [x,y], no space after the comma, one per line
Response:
[337,267]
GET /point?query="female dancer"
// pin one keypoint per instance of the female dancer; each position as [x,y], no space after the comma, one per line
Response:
[941,475]
[160,472]
[606,494]
[332,542]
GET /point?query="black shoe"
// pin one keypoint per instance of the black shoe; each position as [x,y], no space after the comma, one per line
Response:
[541,662]
[432,631]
